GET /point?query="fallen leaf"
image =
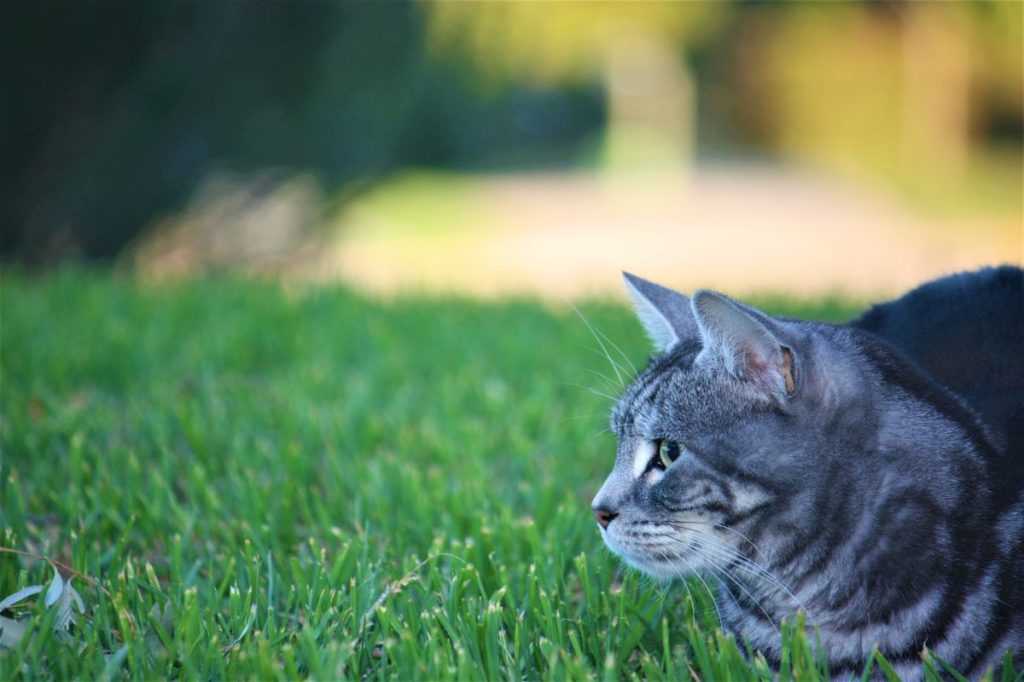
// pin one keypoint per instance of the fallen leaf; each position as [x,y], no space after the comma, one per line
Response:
[20,596]
[62,595]
[55,590]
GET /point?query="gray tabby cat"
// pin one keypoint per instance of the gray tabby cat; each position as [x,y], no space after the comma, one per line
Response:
[871,474]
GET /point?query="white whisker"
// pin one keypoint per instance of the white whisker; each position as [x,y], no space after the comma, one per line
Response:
[616,347]
[730,555]
[596,392]
[593,332]
[711,594]
[725,572]
[606,379]
[757,569]
[603,353]
[731,530]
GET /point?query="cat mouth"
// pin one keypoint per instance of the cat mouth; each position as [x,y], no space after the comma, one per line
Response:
[660,560]
[665,552]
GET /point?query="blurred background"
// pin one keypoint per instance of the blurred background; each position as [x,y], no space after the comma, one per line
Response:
[494,148]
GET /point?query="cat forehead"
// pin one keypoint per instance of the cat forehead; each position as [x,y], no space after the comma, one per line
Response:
[672,388]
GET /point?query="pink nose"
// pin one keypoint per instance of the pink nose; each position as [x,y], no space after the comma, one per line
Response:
[604,516]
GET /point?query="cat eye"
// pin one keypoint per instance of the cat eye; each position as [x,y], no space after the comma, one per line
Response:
[668,452]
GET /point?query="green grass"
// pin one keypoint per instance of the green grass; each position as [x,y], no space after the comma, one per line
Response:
[383,490]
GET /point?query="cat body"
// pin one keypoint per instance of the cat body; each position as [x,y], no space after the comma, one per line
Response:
[823,467]
[966,332]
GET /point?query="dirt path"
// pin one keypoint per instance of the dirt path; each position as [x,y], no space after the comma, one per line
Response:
[738,229]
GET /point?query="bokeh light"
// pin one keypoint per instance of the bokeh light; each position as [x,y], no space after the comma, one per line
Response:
[497,148]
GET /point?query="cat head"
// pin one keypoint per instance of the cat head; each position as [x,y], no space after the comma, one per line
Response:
[729,418]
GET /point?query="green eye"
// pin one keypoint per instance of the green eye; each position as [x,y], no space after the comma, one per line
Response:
[668,452]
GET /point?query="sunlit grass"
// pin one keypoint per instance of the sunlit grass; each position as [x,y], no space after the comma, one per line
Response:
[361,489]
[435,203]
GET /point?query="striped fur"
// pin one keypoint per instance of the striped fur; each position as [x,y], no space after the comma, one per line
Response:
[864,491]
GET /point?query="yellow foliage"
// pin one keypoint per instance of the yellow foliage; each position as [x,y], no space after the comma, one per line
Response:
[542,43]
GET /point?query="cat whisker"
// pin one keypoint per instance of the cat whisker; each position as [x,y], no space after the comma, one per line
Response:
[618,349]
[603,353]
[593,332]
[727,554]
[606,379]
[596,392]
[753,567]
[711,593]
[664,591]
[733,580]
[592,416]
[757,602]
[730,553]
[588,415]
[731,530]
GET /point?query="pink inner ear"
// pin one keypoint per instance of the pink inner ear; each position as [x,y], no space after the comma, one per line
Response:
[755,361]
[758,352]
[767,362]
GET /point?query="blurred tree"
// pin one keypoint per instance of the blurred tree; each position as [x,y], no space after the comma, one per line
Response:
[906,92]
[997,70]
[635,49]
[114,114]
[935,127]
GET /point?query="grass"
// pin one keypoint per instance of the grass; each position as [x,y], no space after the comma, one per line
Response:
[272,484]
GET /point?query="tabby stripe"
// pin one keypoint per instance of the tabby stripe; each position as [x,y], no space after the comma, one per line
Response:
[831,530]
[737,518]
[965,567]
[897,370]
[731,471]
[891,506]
[712,507]
[1000,623]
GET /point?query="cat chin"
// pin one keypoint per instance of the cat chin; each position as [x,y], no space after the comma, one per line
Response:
[648,564]
[660,561]
[659,571]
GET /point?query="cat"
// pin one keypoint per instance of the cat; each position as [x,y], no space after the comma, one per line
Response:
[871,474]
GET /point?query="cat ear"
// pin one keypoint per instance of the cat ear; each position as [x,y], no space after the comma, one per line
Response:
[745,342]
[665,314]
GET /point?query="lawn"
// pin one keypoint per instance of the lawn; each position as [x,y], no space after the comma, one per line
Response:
[268,482]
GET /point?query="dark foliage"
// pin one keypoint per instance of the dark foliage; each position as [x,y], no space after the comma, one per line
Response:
[114,112]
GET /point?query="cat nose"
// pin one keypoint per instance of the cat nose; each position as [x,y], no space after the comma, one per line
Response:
[604,516]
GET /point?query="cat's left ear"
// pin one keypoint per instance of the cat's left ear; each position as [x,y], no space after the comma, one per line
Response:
[746,341]
[665,314]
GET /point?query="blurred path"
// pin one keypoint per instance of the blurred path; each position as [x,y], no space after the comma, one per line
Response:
[738,229]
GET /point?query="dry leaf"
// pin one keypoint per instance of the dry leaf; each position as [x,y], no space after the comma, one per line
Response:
[60,595]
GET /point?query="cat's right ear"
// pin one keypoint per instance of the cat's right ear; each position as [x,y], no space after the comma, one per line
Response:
[746,341]
[666,315]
